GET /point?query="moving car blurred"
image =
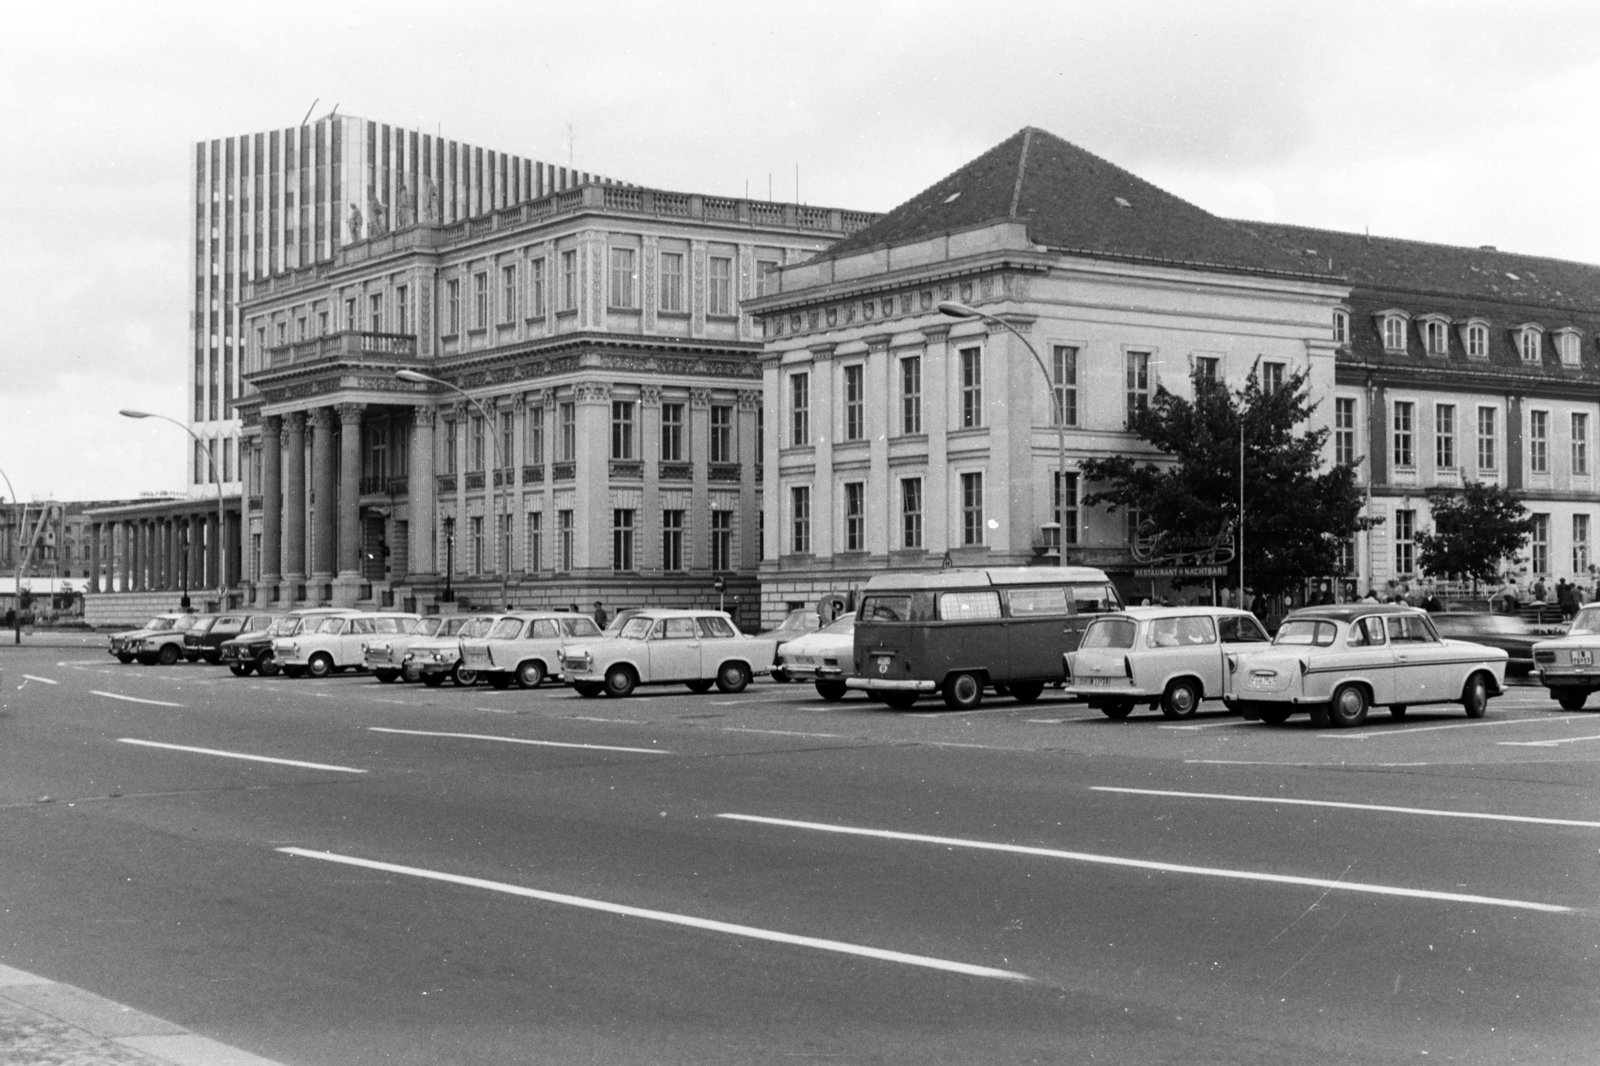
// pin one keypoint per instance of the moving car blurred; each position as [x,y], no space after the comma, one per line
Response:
[1507,631]
[1567,663]
[159,640]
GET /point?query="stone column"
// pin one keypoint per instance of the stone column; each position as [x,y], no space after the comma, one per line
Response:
[169,553]
[421,487]
[213,552]
[698,431]
[94,556]
[271,501]
[349,491]
[294,501]
[125,558]
[746,557]
[141,555]
[197,562]
[325,492]
[650,456]
[591,517]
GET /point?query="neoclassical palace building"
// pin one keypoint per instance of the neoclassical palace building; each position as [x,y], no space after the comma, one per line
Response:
[585,422]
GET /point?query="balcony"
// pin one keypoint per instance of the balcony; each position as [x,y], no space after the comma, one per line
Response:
[533,475]
[475,479]
[724,472]
[676,472]
[335,347]
[447,482]
[383,485]
[505,478]
[563,472]
[626,471]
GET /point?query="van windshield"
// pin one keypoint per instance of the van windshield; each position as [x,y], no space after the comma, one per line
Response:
[1109,633]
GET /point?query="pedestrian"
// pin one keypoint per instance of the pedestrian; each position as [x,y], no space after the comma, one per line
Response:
[600,616]
[1430,602]
[1370,597]
[1538,591]
[1258,607]
[1566,599]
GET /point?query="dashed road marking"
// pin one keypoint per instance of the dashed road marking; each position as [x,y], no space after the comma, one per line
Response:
[1544,743]
[132,699]
[748,931]
[241,755]
[1203,725]
[775,732]
[1160,867]
[1283,801]
[517,740]
[586,718]
[1401,731]
[43,680]
[1307,765]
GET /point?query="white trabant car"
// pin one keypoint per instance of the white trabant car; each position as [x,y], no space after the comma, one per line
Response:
[694,648]
[1569,665]
[823,656]
[159,640]
[1336,662]
[525,647]
[438,658]
[386,654]
[322,646]
[1167,657]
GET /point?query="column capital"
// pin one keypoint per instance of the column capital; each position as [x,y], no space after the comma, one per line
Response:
[350,413]
[749,399]
[650,395]
[699,399]
[425,415]
[271,425]
[322,418]
[295,420]
[592,392]
[519,402]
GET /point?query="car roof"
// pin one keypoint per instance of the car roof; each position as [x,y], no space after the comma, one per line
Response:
[386,614]
[989,577]
[678,612]
[1178,612]
[1345,612]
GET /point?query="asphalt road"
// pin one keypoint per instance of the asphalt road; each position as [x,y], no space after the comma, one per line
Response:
[472,876]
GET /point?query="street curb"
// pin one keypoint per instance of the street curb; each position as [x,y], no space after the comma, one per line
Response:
[95,1030]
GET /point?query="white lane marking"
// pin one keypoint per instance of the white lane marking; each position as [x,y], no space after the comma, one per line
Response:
[1407,730]
[750,931]
[1203,725]
[1348,806]
[241,755]
[947,714]
[1543,743]
[403,703]
[1160,867]
[775,732]
[1310,765]
[1058,721]
[44,680]
[517,740]
[497,710]
[132,699]
[585,718]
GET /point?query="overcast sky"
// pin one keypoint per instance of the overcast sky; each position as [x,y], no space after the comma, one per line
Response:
[1459,123]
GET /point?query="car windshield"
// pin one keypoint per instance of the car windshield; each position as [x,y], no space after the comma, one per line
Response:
[579,626]
[847,624]
[1305,631]
[156,625]
[428,627]
[452,627]
[259,623]
[803,619]
[1110,633]
[477,627]
[1587,622]
[638,628]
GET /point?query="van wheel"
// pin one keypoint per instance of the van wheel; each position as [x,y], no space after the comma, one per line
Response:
[620,681]
[1571,699]
[732,677]
[1475,697]
[832,691]
[1120,709]
[1348,707]
[899,700]
[1181,699]
[1026,691]
[320,665]
[168,654]
[530,674]
[963,692]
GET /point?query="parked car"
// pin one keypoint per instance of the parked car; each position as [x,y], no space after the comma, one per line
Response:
[252,648]
[796,623]
[327,645]
[1337,662]
[821,657]
[205,638]
[1567,663]
[620,619]
[1508,631]
[1167,657]
[439,658]
[194,634]
[159,640]
[694,648]
[387,655]
[525,647]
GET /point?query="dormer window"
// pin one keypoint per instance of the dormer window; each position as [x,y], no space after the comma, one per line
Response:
[1436,334]
[1475,337]
[1530,337]
[1341,327]
[1392,324]
[1569,345]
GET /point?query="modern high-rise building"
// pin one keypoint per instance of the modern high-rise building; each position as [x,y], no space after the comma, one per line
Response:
[288,199]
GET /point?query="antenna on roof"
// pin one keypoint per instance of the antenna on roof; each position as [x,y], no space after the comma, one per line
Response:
[1368,231]
[572,141]
[310,109]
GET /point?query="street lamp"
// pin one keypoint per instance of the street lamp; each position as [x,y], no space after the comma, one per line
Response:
[16,585]
[216,477]
[417,377]
[1059,403]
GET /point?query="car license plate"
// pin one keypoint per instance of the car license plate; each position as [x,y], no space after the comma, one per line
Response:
[884,662]
[478,655]
[1582,658]
[1097,681]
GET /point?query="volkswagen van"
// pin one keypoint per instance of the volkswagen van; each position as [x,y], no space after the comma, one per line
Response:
[961,632]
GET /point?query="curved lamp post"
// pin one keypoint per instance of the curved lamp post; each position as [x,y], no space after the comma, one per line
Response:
[216,477]
[16,584]
[1058,403]
[417,377]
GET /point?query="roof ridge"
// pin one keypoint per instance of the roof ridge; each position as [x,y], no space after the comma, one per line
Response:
[1489,250]
[1022,170]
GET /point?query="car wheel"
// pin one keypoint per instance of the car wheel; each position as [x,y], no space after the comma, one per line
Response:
[1398,710]
[411,673]
[530,674]
[588,688]
[388,677]
[899,700]
[267,665]
[500,680]
[1571,699]
[732,677]
[168,654]
[1120,709]
[463,677]
[1475,697]
[832,691]
[963,692]
[1026,691]
[620,680]
[1181,699]
[320,664]
[124,659]
[780,675]
[239,669]
[1348,707]
[294,671]
[1273,715]
[700,686]
[433,680]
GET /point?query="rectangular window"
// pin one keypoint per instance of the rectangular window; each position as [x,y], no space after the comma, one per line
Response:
[506,542]
[1569,347]
[402,311]
[564,540]
[1530,345]
[1580,544]
[672,540]
[799,410]
[533,437]
[536,288]
[1437,337]
[722,434]
[622,430]
[971,508]
[480,300]
[1271,377]
[911,395]
[569,281]
[1539,544]
[475,443]
[566,432]
[476,529]
[1539,442]
[1341,328]
[1394,333]
[1405,548]
[624,279]
[719,290]
[350,322]
[911,513]
[855,516]
[1065,506]
[508,293]
[722,540]
[508,438]
[1478,342]
[1065,370]
[971,387]
[855,406]
[1138,374]
[1487,438]
[1444,436]
[535,541]
[766,277]
[1580,444]
[672,281]
[800,519]
[1404,412]
[374,315]
[622,539]
[1344,431]
[447,441]
[672,433]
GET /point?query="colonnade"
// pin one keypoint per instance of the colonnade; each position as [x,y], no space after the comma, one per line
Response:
[150,552]
[334,504]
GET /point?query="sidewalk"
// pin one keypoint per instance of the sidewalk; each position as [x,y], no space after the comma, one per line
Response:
[45,1023]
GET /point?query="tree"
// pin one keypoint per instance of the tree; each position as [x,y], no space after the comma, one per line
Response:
[1296,515]
[1474,531]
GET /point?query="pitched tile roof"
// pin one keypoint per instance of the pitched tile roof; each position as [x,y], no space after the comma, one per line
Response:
[1440,269]
[1075,201]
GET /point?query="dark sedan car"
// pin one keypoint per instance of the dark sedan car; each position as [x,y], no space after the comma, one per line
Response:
[1506,631]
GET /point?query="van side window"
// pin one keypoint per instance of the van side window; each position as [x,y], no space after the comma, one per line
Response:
[1029,603]
[1095,599]
[969,606]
